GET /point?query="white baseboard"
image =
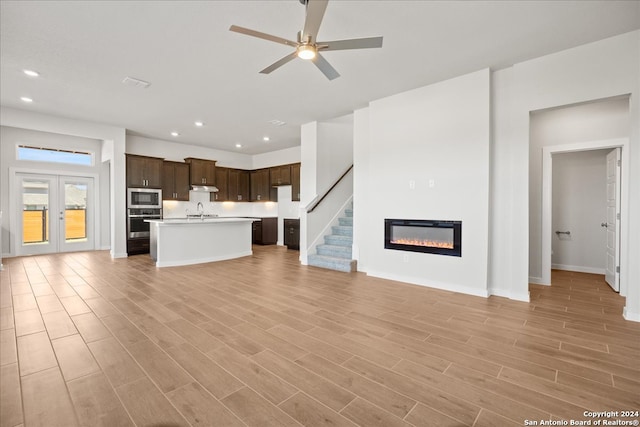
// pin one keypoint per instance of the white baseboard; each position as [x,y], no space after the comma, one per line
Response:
[578,268]
[538,281]
[507,293]
[431,284]
[631,316]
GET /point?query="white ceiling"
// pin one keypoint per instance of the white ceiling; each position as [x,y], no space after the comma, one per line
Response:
[199,70]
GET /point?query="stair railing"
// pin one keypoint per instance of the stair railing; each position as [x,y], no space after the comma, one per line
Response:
[326,193]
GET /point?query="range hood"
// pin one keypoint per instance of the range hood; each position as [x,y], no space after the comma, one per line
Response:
[204,188]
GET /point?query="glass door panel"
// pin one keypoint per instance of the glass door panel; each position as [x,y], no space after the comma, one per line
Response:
[75,205]
[37,199]
[76,215]
[35,212]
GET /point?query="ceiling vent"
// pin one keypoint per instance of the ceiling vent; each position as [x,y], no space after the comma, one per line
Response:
[133,82]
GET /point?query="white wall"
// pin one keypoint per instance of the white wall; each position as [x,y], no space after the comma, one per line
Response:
[335,151]
[112,152]
[177,152]
[598,70]
[592,121]
[579,206]
[363,194]
[10,138]
[438,133]
[508,252]
[275,158]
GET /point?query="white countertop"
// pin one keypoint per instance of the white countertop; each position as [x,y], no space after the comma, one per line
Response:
[182,221]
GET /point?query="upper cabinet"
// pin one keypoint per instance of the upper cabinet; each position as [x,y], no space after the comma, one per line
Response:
[260,185]
[295,182]
[143,171]
[238,185]
[175,181]
[222,183]
[280,175]
[203,172]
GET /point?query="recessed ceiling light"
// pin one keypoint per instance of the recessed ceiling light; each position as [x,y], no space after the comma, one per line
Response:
[132,81]
[31,73]
[175,134]
[266,138]
[238,145]
[199,124]
[26,99]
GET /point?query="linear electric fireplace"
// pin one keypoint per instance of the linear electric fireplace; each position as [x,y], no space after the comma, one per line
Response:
[420,235]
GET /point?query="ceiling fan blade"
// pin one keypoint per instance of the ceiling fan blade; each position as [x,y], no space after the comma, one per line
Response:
[315,13]
[263,36]
[325,67]
[279,63]
[367,43]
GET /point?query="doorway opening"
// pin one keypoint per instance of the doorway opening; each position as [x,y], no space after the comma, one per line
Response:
[615,220]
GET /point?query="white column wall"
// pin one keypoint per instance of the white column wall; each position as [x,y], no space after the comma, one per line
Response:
[440,134]
[598,70]
[362,194]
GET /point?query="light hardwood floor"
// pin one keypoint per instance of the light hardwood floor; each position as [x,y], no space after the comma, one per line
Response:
[264,341]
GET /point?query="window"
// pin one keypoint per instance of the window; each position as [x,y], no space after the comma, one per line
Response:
[41,154]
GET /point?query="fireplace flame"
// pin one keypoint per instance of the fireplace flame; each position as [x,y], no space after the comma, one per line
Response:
[427,243]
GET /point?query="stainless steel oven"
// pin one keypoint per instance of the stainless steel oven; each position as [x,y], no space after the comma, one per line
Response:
[142,198]
[136,225]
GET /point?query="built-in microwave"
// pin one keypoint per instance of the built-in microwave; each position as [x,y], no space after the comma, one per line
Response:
[144,198]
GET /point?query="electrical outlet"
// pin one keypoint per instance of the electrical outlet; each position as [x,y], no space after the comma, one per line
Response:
[412,184]
[405,258]
[432,183]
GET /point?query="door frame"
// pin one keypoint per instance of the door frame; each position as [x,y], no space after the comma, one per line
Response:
[15,239]
[547,175]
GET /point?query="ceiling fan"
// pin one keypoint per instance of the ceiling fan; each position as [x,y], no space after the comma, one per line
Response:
[306,46]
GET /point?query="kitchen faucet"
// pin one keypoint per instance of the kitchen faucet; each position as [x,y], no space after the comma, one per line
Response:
[200,209]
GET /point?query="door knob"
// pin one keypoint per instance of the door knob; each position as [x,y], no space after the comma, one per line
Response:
[604,224]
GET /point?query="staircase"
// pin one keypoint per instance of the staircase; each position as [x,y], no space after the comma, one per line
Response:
[335,253]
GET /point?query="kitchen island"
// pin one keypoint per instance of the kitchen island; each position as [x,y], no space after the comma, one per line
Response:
[190,241]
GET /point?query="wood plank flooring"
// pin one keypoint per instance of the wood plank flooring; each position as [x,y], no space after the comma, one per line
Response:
[263,341]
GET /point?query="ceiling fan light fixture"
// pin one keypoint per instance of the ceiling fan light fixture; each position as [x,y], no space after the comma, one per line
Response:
[307,51]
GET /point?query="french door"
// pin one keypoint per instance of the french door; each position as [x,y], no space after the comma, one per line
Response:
[55,214]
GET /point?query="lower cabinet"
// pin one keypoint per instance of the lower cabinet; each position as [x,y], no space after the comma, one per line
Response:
[265,231]
[292,233]
[138,246]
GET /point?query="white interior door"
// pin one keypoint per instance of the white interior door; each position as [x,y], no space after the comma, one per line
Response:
[55,214]
[612,269]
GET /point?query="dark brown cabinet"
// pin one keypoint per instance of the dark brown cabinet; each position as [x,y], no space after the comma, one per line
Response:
[175,181]
[203,172]
[260,185]
[292,233]
[238,185]
[265,231]
[143,171]
[280,175]
[295,182]
[138,246]
[222,183]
